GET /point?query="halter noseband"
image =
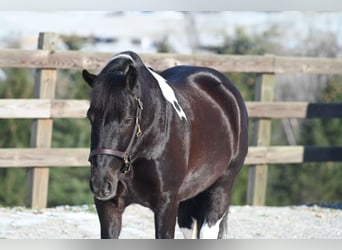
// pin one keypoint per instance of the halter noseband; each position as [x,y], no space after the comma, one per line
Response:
[124,155]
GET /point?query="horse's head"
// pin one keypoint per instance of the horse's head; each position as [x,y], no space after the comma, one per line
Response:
[114,114]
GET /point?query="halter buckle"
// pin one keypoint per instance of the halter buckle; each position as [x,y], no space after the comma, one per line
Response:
[127,163]
[126,158]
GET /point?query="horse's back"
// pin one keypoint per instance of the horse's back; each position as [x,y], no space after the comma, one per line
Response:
[201,89]
[193,80]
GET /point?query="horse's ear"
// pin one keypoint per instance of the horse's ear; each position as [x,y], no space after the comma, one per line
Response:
[88,77]
[131,76]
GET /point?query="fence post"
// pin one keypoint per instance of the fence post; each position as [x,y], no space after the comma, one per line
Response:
[257,179]
[41,131]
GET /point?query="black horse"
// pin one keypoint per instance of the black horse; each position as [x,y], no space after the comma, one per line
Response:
[173,142]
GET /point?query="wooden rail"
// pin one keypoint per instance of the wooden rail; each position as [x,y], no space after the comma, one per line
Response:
[47,60]
[49,108]
[77,157]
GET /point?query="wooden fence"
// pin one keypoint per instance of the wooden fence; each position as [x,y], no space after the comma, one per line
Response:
[44,108]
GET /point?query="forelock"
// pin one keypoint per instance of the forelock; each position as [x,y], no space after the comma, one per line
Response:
[109,93]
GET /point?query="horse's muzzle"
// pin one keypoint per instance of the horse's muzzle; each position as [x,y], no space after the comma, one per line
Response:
[104,190]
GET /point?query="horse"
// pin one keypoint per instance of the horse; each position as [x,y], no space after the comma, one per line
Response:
[172,141]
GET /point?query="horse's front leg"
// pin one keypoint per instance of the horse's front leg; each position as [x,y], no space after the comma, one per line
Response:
[165,220]
[110,216]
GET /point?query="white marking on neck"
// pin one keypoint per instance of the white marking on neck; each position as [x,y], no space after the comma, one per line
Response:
[210,232]
[169,94]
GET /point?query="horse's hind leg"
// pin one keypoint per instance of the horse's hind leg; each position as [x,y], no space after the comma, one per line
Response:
[223,230]
[192,218]
[216,202]
[205,215]
[187,218]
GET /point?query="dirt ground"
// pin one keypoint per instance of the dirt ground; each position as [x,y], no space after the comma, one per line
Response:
[244,222]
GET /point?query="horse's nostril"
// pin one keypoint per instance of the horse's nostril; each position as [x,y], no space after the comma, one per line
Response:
[107,189]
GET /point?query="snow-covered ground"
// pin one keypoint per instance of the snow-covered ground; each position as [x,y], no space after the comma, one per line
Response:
[244,222]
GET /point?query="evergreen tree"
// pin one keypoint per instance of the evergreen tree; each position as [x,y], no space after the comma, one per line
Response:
[18,83]
[66,185]
[312,182]
[70,185]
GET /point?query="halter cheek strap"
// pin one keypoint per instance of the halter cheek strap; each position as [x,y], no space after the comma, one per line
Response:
[124,155]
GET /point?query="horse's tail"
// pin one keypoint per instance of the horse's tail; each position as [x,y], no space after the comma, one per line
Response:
[223,231]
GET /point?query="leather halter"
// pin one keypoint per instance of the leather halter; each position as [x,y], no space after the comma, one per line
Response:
[124,155]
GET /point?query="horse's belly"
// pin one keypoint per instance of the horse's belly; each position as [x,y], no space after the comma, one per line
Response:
[211,151]
[201,178]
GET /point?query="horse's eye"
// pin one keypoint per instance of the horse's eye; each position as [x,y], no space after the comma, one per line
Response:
[128,121]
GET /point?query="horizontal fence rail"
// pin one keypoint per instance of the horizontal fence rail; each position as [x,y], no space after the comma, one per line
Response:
[77,157]
[49,108]
[242,63]
[43,108]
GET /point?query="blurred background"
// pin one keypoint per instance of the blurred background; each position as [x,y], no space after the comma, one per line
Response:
[307,34]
